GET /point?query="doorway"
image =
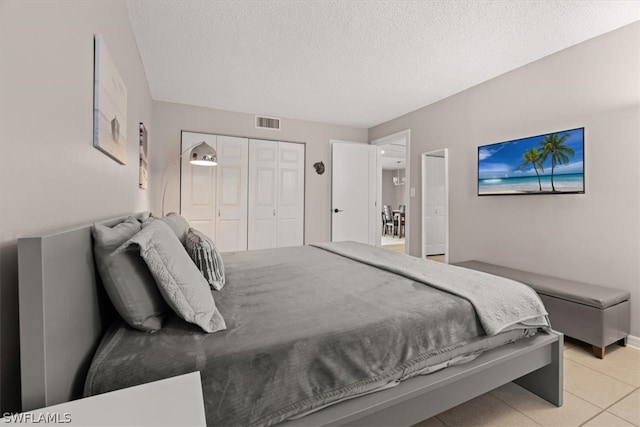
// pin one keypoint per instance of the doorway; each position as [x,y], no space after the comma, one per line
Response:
[394,191]
[435,205]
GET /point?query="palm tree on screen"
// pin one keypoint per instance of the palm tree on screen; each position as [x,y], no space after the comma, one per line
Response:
[532,157]
[553,145]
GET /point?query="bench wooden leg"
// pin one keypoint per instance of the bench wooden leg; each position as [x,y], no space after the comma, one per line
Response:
[623,342]
[599,351]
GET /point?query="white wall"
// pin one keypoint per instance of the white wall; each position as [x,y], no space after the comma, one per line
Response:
[170,119]
[594,237]
[50,174]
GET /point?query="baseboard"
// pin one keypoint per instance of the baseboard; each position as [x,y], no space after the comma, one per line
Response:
[633,341]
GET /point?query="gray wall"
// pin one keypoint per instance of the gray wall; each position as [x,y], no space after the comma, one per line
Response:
[169,119]
[594,237]
[50,174]
[392,195]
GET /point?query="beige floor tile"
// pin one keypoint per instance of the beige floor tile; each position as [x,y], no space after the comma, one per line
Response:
[628,408]
[592,386]
[607,419]
[621,363]
[485,410]
[394,248]
[431,422]
[573,412]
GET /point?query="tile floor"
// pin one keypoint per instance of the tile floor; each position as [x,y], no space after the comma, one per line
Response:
[392,240]
[597,393]
[395,248]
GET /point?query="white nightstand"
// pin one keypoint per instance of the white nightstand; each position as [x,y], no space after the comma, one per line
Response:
[173,401]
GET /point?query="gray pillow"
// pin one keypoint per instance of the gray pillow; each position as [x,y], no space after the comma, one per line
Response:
[143,216]
[206,257]
[126,278]
[176,222]
[177,277]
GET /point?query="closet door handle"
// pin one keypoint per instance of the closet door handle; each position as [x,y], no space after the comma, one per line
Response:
[218,212]
[274,212]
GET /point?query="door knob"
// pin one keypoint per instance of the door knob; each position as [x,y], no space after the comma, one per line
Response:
[336,210]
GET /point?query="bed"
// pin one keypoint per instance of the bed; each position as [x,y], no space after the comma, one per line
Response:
[64,317]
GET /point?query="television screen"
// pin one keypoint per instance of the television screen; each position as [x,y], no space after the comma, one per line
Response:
[545,164]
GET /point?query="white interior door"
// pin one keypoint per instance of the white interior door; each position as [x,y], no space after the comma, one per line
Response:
[263,204]
[353,190]
[290,212]
[231,200]
[198,187]
[435,206]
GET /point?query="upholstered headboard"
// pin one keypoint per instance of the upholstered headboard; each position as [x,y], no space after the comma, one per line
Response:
[64,312]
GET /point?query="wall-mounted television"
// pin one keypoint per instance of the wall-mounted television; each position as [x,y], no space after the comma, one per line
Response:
[552,163]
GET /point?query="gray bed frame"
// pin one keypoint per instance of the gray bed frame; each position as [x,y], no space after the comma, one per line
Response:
[64,313]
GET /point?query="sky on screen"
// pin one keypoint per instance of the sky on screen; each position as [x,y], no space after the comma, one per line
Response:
[503,160]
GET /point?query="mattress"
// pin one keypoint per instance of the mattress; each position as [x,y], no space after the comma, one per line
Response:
[305,328]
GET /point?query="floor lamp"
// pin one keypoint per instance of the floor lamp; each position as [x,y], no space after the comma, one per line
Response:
[201,155]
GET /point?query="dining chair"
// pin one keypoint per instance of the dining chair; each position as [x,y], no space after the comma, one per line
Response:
[387,220]
[401,220]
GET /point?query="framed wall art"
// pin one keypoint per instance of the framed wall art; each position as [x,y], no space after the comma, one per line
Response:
[144,165]
[109,105]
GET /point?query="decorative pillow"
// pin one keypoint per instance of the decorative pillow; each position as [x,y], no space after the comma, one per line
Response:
[126,278]
[179,281]
[143,216]
[206,257]
[178,224]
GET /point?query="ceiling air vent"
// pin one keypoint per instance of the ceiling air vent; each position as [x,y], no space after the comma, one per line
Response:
[267,123]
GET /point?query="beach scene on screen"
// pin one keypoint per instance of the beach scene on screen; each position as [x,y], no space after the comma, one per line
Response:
[549,163]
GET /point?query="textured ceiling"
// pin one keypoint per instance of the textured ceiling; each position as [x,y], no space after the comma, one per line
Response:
[357,63]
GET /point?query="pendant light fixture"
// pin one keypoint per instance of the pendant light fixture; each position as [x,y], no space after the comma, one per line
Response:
[396,179]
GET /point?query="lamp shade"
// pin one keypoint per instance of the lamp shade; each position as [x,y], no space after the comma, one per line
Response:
[203,155]
[200,155]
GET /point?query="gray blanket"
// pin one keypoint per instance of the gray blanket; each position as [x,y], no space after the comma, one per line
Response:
[305,327]
[501,304]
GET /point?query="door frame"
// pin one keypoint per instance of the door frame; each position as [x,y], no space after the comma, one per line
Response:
[406,135]
[423,159]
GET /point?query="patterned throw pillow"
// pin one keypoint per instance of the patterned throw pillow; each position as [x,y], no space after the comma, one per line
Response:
[205,255]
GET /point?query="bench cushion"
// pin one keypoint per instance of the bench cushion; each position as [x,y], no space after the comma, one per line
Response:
[578,292]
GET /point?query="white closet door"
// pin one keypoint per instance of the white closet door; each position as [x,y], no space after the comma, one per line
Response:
[231,218]
[290,210]
[198,187]
[263,174]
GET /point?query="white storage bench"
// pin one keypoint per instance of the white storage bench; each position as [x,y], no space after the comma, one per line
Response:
[593,314]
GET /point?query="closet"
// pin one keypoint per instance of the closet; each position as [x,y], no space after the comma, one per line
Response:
[253,198]
[276,194]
